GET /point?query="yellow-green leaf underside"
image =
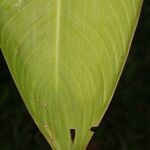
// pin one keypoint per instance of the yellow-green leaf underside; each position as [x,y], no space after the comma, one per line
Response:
[66,57]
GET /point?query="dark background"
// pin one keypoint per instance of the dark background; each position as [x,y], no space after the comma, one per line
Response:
[126,125]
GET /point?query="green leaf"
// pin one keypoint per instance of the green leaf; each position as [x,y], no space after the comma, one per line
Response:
[66,57]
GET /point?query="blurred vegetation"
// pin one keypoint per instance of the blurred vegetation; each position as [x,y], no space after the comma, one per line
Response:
[126,125]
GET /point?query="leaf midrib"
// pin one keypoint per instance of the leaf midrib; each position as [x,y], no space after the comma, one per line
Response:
[57,43]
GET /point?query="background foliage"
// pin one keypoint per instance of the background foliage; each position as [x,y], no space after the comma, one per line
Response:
[126,123]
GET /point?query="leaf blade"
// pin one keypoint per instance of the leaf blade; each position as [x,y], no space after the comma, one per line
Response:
[66,79]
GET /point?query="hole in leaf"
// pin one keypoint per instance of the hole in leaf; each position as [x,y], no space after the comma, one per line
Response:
[94,129]
[72,133]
